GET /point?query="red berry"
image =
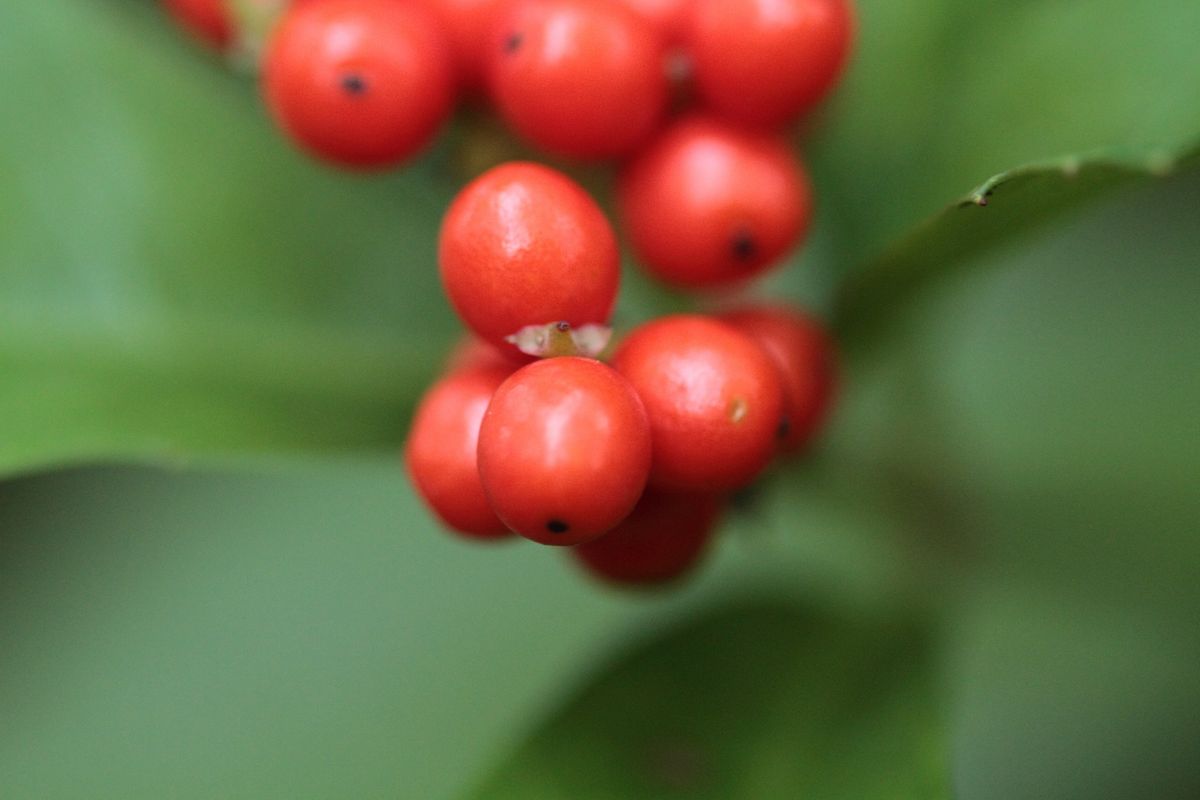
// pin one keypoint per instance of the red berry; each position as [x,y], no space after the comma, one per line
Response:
[468,26]
[806,358]
[471,351]
[207,20]
[441,450]
[525,245]
[362,83]
[667,16]
[564,450]
[664,538]
[580,78]
[765,62]
[713,397]
[707,205]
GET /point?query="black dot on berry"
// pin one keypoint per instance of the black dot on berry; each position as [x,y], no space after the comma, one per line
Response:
[743,246]
[785,427]
[557,526]
[513,43]
[354,84]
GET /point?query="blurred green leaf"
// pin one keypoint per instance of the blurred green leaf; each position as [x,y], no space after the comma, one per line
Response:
[307,633]
[1031,423]
[1075,699]
[174,280]
[943,93]
[1003,208]
[752,702]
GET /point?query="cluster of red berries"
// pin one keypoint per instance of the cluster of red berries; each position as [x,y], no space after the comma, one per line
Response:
[689,96]
[629,461]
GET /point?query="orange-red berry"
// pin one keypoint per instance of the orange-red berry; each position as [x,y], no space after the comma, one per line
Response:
[766,62]
[468,25]
[714,400]
[807,361]
[441,452]
[361,83]
[564,450]
[525,245]
[667,16]
[579,78]
[664,538]
[707,204]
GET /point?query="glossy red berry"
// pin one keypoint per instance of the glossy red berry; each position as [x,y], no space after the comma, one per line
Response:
[525,245]
[713,397]
[362,83]
[580,78]
[441,453]
[663,539]
[564,450]
[468,26]
[471,351]
[807,361]
[706,204]
[207,20]
[765,62]
[667,16]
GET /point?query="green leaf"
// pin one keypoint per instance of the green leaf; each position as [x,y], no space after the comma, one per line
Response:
[755,701]
[1003,208]
[943,93]
[307,633]
[174,279]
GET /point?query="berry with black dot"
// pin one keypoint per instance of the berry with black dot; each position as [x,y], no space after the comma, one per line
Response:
[584,79]
[807,359]
[360,83]
[707,204]
[564,450]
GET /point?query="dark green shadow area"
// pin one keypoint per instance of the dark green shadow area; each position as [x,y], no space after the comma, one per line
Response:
[754,701]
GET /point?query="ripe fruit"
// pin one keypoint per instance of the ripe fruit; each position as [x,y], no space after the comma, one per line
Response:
[471,351]
[207,20]
[664,538]
[525,245]
[441,449]
[707,204]
[467,25]
[765,62]
[564,450]
[713,397]
[579,78]
[667,16]
[806,358]
[362,83]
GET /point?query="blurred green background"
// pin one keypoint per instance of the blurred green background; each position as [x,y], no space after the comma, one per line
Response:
[215,582]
